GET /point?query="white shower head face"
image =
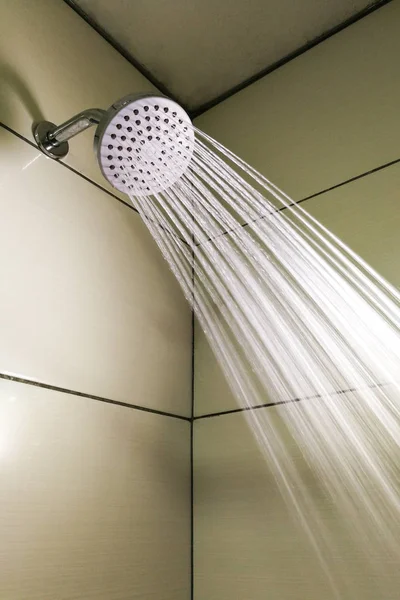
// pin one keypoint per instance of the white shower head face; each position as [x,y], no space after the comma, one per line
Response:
[145,144]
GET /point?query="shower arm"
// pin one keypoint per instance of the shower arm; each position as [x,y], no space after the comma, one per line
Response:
[116,149]
[74,125]
[53,139]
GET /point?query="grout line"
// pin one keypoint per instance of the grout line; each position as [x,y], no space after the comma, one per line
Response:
[131,207]
[19,135]
[97,185]
[64,390]
[289,57]
[122,51]
[283,402]
[192,507]
[315,195]
[342,183]
[55,388]
[192,443]
[67,166]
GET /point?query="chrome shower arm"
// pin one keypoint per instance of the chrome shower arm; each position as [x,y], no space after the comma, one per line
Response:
[76,124]
[129,132]
[53,139]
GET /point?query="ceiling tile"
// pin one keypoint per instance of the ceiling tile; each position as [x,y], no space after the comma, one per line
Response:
[200,49]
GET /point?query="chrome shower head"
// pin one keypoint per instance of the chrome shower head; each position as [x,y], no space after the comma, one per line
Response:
[143,143]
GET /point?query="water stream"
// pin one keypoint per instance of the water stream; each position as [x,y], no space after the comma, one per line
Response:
[297,320]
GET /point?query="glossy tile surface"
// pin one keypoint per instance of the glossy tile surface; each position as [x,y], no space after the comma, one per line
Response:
[326,116]
[365,215]
[210,47]
[52,66]
[94,499]
[212,392]
[248,542]
[86,300]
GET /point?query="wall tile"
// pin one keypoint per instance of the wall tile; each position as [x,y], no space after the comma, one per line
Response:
[53,65]
[93,499]
[364,214]
[87,301]
[328,115]
[248,541]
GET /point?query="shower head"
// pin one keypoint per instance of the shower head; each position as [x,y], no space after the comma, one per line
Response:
[144,143]
[149,139]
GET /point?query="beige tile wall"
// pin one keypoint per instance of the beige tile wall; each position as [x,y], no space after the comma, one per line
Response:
[327,116]
[53,65]
[365,215]
[87,301]
[247,543]
[94,497]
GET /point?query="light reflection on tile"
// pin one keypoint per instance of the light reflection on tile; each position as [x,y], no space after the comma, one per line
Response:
[86,300]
